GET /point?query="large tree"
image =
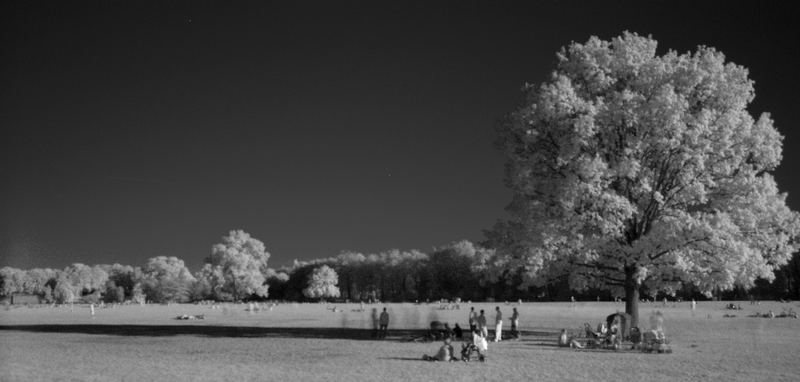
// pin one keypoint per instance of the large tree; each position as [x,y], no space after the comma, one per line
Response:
[236,268]
[635,171]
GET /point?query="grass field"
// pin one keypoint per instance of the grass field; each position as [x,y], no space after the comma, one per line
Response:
[309,342]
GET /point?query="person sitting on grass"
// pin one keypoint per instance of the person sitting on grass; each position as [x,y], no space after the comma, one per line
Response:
[566,341]
[445,353]
[458,333]
[448,332]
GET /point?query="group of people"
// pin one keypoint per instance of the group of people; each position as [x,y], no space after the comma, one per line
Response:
[476,344]
[479,340]
[478,321]
[604,336]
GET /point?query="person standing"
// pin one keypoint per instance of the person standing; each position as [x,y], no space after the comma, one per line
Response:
[473,319]
[498,325]
[384,329]
[515,324]
[482,325]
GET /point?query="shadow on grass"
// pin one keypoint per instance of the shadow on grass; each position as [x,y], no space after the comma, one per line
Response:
[218,331]
[403,359]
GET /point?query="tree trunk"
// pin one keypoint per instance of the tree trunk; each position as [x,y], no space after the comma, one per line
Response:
[235,292]
[632,295]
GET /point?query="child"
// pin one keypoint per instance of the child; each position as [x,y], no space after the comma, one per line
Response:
[479,340]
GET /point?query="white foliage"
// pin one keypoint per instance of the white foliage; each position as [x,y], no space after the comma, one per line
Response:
[322,283]
[236,268]
[629,167]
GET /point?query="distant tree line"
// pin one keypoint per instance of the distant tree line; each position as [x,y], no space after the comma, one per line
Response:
[236,270]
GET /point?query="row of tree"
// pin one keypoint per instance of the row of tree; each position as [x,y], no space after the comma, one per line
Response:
[237,270]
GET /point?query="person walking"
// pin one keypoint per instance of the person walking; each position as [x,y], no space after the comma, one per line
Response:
[384,329]
[498,325]
[515,324]
[473,319]
[482,325]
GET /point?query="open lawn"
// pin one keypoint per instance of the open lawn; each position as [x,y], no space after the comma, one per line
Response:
[310,342]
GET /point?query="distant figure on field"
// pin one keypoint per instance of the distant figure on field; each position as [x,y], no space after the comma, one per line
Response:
[91,308]
[473,319]
[375,323]
[482,325]
[515,324]
[498,325]
[458,332]
[694,304]
[384,322]
[445,353]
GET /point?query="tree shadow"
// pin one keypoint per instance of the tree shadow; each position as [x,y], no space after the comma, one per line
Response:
[403,359]
[219,331]
[538,338]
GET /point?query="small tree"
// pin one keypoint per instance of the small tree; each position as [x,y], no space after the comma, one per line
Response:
[632,170]
[138,295]
[13,280]
[63,293]
[322,284]
[125,276]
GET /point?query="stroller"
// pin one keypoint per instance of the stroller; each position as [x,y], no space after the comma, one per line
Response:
[470,350]
[655,341]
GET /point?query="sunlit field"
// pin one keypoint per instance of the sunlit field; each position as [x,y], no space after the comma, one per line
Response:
[300,342]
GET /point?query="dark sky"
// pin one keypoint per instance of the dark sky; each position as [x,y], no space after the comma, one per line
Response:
[136,129]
